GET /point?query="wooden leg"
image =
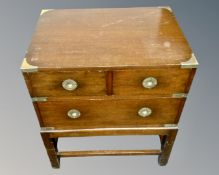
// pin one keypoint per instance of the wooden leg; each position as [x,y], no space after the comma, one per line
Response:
[167,142]
[51,147]
[162,140]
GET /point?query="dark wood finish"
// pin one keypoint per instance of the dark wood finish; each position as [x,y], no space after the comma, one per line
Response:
[108,52]
[149,130]
[162,140]
[102,112]
[51,150]
[38,114]
[108,153]
[172,80]
[109,82]
[117,37]
[50,83]
[189,82]
[167,134]
[187,88]
[166,146]
[28,82]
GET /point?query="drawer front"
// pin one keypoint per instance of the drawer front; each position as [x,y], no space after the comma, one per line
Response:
[50,84]
[164,81]
[109,113]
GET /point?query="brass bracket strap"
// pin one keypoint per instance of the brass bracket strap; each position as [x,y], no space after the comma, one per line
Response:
[47,129]
[179,95]
[39,99]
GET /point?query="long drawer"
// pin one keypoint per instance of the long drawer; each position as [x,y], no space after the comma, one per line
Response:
[110,112]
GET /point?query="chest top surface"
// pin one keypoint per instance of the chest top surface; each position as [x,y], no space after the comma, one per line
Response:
[116,37]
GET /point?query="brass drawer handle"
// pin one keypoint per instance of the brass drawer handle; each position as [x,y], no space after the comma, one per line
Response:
[69,84]
[74,113]
[145,112]
[149,82]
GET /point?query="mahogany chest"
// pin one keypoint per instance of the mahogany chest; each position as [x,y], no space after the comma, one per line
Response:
[112,71]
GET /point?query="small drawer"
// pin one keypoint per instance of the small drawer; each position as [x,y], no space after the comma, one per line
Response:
[110,112]
[68,83]
[150,81]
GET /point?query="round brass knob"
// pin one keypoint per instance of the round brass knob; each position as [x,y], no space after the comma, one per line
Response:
[144,112]
[69,84]
[74,113]
[149,82]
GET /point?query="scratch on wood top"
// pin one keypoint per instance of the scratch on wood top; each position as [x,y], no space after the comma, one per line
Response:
[112,23]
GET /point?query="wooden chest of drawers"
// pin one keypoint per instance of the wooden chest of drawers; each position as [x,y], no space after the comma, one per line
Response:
[122,71]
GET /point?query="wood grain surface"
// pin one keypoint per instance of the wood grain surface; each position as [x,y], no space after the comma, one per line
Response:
[50,83]
[118,82]
[108,153]
[161,130]
[108,52]
[100,38]
[102,112]
[170,81]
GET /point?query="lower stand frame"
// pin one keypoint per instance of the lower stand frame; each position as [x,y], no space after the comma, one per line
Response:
[167,137]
